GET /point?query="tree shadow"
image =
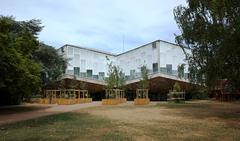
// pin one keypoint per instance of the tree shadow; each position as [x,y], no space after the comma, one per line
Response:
[19,109]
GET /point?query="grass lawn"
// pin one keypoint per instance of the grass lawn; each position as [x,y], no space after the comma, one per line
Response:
[66,126]
[165,121]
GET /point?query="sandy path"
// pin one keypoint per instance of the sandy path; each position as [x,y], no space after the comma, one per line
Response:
[53,109]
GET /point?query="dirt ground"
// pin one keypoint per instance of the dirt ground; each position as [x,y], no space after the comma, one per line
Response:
[199,119]
[160,111]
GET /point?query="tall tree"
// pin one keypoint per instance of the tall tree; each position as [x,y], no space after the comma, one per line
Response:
[144,82]
[180,69]
[52,63]
[211,29]
[20,77]
[115,77]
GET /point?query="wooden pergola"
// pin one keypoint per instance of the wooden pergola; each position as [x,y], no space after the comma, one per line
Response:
[50,97]
[68,93]
[82,96]
[141,97]
[113,97]
[66,97]
[114,93]
[176,96]
[141,93]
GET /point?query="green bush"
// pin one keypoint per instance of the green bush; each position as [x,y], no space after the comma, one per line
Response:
[176,87]
[197,93]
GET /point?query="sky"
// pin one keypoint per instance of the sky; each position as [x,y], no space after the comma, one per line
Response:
[109,25]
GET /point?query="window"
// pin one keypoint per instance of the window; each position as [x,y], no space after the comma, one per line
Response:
[89,73]
[101,75]
[95,76]
[169,68]
[155,67]
[76,70]
[132,73]
[154,45]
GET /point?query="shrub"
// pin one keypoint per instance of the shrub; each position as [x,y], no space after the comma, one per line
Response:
[176,87]
[197,93]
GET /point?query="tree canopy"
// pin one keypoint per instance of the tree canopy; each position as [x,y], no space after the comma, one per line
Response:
[26,65]
[211,29]
[20,74]
[52,64]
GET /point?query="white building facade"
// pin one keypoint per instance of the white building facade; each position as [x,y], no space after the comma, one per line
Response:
[159,57]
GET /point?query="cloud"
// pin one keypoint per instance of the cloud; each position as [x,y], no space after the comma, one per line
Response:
[99,24]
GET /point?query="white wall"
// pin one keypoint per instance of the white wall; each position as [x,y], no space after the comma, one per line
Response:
[164,53]
[134,59]
[87,59]
[171,54]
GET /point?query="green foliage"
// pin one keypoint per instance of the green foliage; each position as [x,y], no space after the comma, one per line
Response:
[20,74]
[176,87]
[197,92]
[115,77]
[53,65]
[211,30]
[61,84]
[200,95]
[181,70]
[144,82]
